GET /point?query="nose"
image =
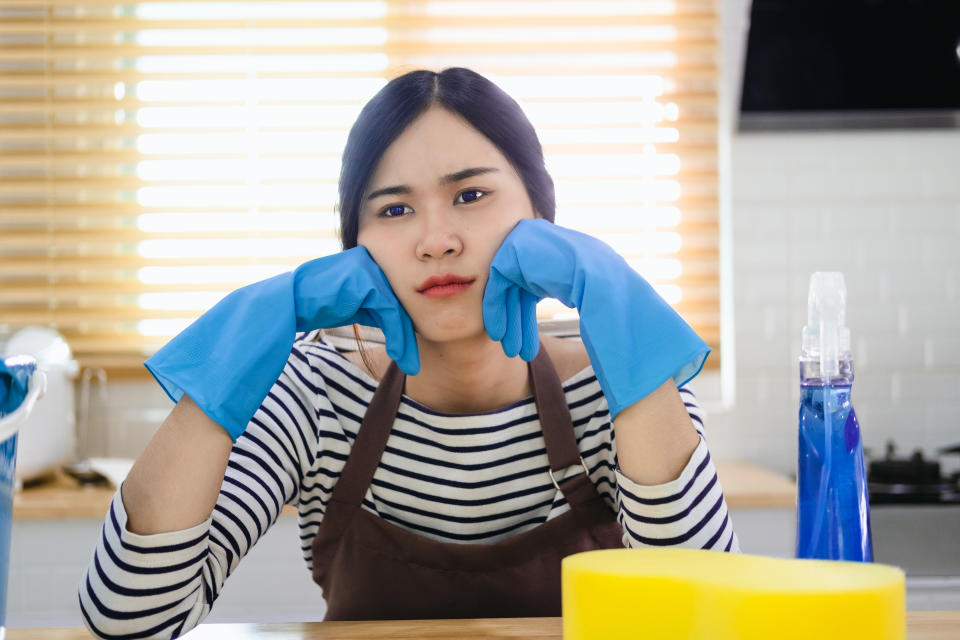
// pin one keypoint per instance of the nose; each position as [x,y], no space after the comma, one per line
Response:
[439,237]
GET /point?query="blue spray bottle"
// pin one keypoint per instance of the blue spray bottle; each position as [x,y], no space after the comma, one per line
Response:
[833,507]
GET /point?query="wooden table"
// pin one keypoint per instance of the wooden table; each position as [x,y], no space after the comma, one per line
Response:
[921,625]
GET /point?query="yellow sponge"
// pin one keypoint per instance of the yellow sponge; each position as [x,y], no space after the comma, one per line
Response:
[681,594]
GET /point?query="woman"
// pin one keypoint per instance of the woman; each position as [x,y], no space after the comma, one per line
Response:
[442,475]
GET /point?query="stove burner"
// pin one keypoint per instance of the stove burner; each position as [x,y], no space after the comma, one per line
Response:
[913,480]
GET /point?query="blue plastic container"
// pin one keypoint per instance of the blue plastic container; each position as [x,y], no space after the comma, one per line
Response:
[20,387]
[833,507]
[833,504]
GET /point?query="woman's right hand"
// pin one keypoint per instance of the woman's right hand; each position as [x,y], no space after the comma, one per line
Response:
[231,356]
[350,288]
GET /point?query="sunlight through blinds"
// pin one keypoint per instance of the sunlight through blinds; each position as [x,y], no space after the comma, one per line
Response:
[155,156]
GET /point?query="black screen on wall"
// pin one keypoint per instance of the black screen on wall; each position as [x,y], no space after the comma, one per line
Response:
[852,55]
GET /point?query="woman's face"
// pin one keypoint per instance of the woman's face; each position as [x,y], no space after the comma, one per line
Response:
[438,223]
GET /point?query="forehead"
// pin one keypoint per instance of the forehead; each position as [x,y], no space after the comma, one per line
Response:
[438,142]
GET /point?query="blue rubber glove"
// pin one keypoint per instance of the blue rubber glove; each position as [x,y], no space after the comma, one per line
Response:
[231,356]
[635,340]
[15,375]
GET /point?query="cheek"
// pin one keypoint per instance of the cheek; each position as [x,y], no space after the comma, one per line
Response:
[370,237]
[382,252]
[494,235]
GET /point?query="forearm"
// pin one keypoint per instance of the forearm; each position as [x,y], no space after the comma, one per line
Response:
[655,437]
[175,482]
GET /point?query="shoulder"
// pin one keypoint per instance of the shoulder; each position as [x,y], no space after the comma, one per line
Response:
[376,357]
[569,356]
[313,345]
[317,359]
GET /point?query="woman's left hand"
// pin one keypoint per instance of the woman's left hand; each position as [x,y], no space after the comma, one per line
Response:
[635,340]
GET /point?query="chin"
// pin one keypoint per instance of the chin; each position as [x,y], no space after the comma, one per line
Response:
[449,327]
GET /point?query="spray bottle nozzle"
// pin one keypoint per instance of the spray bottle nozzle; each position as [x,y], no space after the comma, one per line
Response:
[826,337]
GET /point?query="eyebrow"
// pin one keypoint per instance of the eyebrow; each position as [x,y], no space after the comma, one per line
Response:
[450,178]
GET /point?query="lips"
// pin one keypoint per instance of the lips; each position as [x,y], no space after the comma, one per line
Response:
[443,279]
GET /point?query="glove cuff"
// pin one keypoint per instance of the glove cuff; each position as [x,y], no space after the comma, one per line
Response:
[230,357]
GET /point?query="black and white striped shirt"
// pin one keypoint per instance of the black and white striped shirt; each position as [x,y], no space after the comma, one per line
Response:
[467,478]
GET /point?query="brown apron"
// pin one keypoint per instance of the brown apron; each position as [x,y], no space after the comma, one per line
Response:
[370,569]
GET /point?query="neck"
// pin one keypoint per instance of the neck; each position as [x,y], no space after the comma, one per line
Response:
[472,375]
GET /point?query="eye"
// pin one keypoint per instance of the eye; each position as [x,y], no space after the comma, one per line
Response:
[466,196]
[471,199]
[393,211]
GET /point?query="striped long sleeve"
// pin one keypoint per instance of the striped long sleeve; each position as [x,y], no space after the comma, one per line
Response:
[460,478]
[689,511]
[163,585]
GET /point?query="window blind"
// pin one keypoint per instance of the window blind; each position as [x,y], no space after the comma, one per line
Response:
[156,155]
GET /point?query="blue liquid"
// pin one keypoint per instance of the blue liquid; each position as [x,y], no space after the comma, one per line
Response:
[11,372]
[833,507]
[8,456]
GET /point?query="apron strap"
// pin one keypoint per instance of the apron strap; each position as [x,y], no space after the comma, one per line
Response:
[555,421]
[557,426]
[554,413]
[372,438]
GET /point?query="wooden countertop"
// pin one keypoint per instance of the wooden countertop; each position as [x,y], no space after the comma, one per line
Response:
[747,486]
[744,485]
[921,625]
[60,497]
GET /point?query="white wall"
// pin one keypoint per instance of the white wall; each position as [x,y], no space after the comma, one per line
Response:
[884,208]
[881,206]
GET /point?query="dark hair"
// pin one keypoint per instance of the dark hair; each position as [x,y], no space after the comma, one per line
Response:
[467,93]
[462,91]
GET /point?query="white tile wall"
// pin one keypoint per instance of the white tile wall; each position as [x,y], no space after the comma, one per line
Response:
[883,207]
[123,425]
